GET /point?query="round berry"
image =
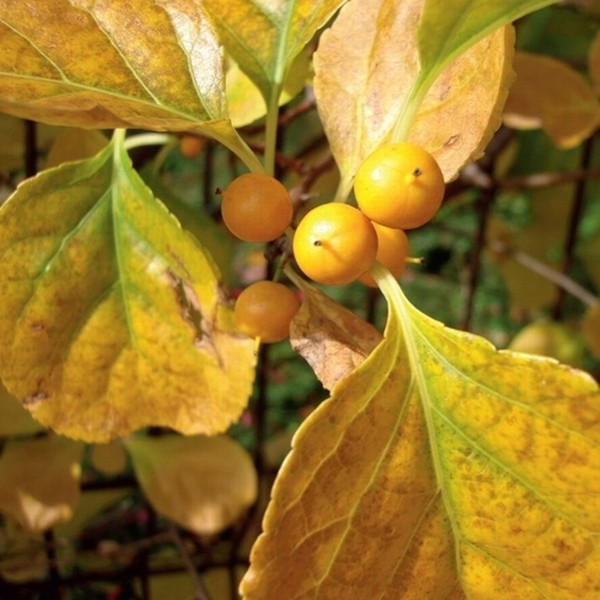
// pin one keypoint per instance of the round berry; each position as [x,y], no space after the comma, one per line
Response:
[334,243]
[264,310]
[400,186]
[256,207]
[392,252]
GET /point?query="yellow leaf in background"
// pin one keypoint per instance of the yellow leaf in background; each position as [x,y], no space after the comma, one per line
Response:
[160,70]
[245,102]
[440,468]
[39,481]
[112,317]
[550,94]
[14,419]
[202,483]
[330,337]
[550,338]
[590,327]
[74,144]
[543,239]
[364,92]
[265,37]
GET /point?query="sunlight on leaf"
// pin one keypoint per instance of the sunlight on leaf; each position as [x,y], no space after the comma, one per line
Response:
[363,90]
[161,67]
[440,468]
[39,481]
[113,318]
[550,94]
[202,483]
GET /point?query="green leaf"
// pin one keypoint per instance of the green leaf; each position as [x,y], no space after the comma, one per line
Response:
[440,468]
[157,66]
[39,481]
[112,317]
[265,37]
[448,29]
[202,483]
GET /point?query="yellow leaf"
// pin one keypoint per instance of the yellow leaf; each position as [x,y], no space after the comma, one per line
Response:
[543,239]
[202,483]
[74,144]
[161,67]
[440,468]
[112,317]
[39,481]
[367,73]
[549,338]
[331,338]
[590,327]
[244,100]
[551,95]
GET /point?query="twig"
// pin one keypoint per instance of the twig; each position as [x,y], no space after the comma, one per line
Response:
[484,206]
[562,280]
[573,227]
[201,593]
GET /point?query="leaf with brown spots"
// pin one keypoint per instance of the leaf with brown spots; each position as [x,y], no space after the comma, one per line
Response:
[113,317]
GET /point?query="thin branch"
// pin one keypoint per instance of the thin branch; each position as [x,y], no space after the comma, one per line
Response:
[573,227]
[201,593]
[562,280]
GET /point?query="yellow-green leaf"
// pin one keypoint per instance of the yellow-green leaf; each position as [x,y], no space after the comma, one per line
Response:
[440,468]
[39,481]
[244,100]
[265,37]
[112,317]
[448,29]
[367,75]
[550,94]
[149,65]
[202,483]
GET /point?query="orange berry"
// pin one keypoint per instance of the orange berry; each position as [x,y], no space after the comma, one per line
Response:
[400,186]
[392,252]
[264,310]
[256,207]
[191,146]
[334,243]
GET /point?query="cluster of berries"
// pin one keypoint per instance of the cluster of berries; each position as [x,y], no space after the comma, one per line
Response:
[398,187]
